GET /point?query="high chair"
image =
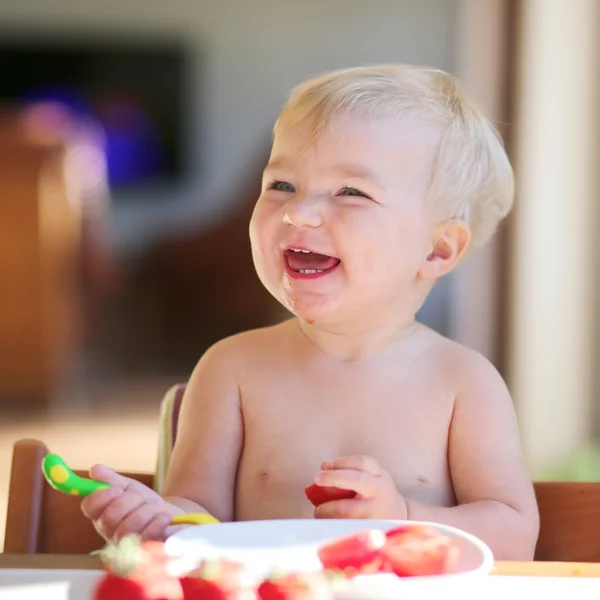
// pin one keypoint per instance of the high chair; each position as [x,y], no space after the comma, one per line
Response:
[569,521]
[41,520]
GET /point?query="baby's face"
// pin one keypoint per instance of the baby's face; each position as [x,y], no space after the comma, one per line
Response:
[341,229]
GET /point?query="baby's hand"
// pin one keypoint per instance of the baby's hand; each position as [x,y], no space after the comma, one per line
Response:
[127,506]
[376,495]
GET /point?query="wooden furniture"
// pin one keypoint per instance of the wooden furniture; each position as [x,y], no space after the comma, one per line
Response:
[54,259]
[40,520]
[39,235]
[167,430]
[570,521]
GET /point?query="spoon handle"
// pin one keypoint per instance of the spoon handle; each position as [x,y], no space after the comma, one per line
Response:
[61,478]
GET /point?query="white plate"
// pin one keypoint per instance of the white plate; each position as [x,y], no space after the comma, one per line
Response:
[49,584]
[292,545]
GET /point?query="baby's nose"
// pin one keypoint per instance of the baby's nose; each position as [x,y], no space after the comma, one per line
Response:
[304,212]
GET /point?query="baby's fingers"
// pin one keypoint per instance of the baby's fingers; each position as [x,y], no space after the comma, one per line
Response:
[110,476]
[359,463]
[352,508]
[149,520]
[361,482]
[173,529]
[158,528]
[116,512]
[95,504]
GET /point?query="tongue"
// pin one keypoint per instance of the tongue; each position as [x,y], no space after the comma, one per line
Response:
[319,262]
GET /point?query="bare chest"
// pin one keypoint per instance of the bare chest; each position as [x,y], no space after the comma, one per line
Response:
[297,422]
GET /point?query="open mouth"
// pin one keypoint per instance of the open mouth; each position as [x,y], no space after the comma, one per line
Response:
[305,264]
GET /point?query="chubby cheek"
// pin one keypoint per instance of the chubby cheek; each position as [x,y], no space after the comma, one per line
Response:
[264,242]
[366,242]
[383,252]
[409,237]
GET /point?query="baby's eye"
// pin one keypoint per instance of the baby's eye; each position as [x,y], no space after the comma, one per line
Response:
[282,186]
[348,191]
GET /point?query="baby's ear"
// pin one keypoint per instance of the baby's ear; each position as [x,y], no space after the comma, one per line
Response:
[450,243]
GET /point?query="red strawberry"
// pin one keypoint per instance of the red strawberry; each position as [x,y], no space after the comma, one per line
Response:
[136,570]
[113,587]
[218,580]
[411,530]
[318,494]
[295,586]
[355,553]
[413,550]
[203,589]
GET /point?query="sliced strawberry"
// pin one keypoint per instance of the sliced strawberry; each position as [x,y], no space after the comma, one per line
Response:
[218,580]
[112,587]
[139,569]
[318,494]
[354,554]
[203,589]
[415,550]
[296,586]
[410,530]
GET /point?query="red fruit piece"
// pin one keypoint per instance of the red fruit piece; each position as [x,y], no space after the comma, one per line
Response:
[295,586]
[318,494]
[112,587]
[411,530]
[416,550]
[136,570]
[203,589]
[354,554]
[218,580]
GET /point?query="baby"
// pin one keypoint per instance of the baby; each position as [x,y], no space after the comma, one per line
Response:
[379,182]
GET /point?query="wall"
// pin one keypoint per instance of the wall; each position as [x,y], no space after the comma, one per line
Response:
[553,361]
[248,53]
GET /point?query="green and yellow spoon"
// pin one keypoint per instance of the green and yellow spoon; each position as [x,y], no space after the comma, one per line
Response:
[62,479]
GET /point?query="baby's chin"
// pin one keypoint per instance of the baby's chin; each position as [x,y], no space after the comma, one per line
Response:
[311,306]
[314,311]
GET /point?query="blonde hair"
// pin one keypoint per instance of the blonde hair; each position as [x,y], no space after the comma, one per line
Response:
[472,177]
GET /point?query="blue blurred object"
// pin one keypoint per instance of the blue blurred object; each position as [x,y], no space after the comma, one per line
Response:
[133,91]
[132,146]
[67,97]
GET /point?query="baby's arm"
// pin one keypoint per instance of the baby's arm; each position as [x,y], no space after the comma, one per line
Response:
[495,496]
[202,472]
[201,476]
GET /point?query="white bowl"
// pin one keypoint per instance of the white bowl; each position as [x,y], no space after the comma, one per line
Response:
[292,545]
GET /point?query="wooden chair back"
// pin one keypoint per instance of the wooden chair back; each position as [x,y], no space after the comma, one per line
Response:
[569,521]
[39,265]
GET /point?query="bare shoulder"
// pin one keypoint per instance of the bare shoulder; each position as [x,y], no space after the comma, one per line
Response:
[247,349]
[467,372]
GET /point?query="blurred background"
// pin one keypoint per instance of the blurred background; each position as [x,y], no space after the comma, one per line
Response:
[132,139]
